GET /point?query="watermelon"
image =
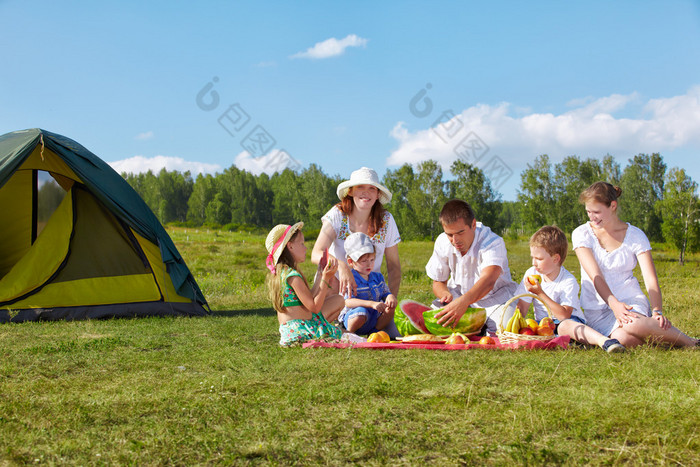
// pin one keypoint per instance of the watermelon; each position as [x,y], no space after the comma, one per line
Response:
[409,318]
[470,323]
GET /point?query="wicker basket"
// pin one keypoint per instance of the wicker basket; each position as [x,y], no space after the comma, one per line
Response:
[506,337]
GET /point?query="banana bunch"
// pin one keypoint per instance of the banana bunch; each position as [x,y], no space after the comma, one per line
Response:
[515,323]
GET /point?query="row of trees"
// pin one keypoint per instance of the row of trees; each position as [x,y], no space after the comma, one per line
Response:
[663,203]
[237,197]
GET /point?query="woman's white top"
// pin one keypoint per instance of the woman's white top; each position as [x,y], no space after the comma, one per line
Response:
[387,236]
[617,267]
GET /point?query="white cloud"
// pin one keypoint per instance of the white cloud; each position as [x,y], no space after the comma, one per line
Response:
[274,161]
[589,129]
[331,47]
[140,164]
[144,136]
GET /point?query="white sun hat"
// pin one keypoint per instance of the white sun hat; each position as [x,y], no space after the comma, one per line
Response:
[276,240]
[364,176]
[358,244]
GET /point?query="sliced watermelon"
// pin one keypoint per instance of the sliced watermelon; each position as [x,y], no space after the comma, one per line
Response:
[409,318]
[471,322]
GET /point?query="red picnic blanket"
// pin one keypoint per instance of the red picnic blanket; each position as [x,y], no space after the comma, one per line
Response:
[559,342]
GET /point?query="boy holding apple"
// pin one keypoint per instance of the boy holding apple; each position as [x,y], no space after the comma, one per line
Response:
[558,288]
[469,266]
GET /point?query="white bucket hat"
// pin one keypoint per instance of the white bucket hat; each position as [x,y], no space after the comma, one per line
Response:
[364,176]
[358,244]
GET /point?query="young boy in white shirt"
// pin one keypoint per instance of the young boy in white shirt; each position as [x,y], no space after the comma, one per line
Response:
[558,289]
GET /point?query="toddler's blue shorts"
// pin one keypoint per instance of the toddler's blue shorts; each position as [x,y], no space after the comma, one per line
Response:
[371,315]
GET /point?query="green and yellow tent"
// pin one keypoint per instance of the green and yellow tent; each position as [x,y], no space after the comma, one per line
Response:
[96,251]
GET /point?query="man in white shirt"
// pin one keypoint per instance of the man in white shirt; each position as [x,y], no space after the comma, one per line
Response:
[469,267]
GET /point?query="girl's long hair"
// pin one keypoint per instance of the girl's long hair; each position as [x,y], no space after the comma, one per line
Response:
[376,215]
[274,281]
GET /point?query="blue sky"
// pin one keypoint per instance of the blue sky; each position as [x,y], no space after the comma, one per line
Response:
[202,85]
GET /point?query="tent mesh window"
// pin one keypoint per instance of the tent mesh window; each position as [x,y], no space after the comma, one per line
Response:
[49,196]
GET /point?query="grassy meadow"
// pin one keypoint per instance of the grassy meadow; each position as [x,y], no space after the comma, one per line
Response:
[220,391]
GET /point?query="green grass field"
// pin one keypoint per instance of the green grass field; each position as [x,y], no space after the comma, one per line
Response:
[220,391]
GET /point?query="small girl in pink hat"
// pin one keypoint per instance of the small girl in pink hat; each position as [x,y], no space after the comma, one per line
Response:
[303,313]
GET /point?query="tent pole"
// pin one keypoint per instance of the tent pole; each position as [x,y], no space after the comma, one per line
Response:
[35,203]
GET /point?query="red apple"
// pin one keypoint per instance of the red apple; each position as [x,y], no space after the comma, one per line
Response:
[456,339]
[534,279]
[546,322]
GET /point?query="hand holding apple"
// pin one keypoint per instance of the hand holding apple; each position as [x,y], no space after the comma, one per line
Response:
[533,284]
[534,279]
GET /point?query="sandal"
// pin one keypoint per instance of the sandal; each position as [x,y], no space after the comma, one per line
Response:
[613,346]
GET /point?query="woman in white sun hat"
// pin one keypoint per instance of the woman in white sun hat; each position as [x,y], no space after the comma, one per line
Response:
[361,209]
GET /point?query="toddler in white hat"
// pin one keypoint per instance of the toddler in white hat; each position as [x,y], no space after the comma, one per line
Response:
[372,306]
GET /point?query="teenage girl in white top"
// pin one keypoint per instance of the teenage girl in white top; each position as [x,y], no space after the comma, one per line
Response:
[611,297]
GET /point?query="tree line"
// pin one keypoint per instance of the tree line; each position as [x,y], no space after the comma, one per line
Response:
[663,203]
